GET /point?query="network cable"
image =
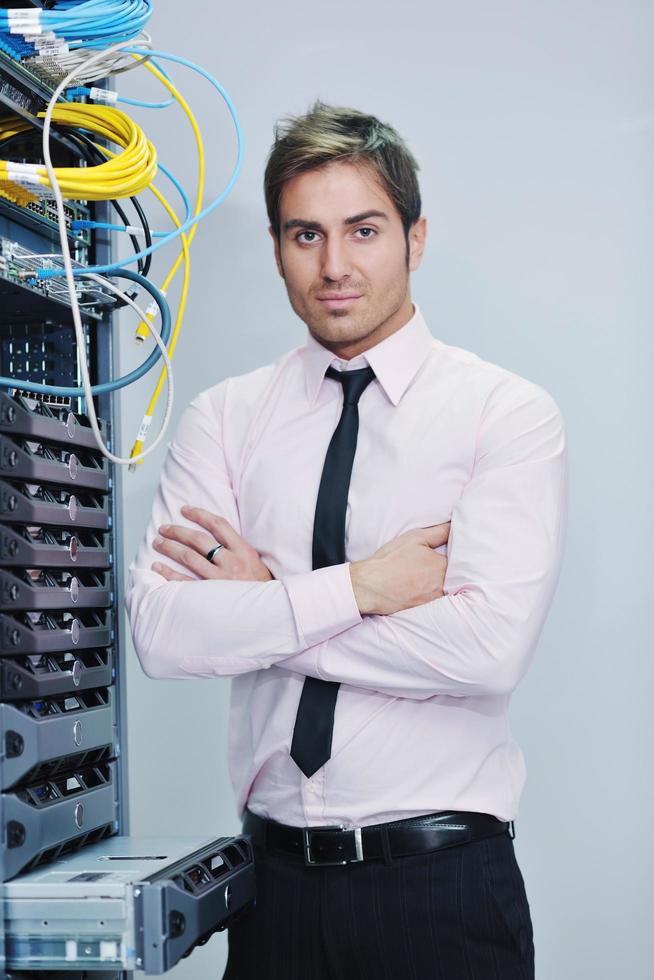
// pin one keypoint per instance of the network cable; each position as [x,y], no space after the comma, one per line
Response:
[79,223]
[144,327]
[199,216]
[143,330]
[84,148]
[122,176]
[116,383]
[109,97]
[189,222]
[81,23]
[57,60]
[66,256]
[168,368]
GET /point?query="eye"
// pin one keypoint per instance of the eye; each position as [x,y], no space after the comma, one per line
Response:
[367,232]
[313,235]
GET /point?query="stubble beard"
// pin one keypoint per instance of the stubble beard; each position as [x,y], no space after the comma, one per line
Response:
[360,327]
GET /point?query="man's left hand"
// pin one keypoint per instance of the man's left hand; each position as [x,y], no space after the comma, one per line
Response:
[189,547]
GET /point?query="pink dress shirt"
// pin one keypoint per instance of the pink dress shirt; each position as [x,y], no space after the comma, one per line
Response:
[421,717]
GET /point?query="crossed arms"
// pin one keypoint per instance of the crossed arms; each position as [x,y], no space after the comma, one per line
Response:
[503,560]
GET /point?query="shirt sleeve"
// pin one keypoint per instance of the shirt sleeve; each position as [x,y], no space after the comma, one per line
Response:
[211,627]
[505,551]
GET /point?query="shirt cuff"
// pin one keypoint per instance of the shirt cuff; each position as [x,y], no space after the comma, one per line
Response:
[323,602]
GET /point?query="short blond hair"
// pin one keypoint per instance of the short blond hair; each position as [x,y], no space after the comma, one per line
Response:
[336,133]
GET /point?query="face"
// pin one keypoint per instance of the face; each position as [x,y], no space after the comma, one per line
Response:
[343,256]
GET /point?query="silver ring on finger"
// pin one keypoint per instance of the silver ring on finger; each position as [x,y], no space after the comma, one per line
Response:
[214,551]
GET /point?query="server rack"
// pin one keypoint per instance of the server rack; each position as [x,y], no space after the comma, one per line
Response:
[80,897]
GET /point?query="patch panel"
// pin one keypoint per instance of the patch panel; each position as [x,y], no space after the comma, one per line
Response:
[18,267]
[42,216]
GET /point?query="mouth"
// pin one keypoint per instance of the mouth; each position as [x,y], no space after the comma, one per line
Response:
[336,302]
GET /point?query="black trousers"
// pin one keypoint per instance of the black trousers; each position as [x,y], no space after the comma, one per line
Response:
[459,913]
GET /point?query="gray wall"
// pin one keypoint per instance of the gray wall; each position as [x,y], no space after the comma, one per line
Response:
[533,126]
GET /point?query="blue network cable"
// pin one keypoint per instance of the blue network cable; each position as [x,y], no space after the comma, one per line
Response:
[78,223]
[126,379]
[182,193]
[83,23]
[55,273]
[145,105]
[86,90]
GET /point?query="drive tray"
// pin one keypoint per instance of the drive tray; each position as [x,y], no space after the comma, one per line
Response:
[127,903]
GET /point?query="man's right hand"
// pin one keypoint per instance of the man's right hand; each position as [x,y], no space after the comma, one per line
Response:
[403,573]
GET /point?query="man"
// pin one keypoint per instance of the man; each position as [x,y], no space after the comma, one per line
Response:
[372,674]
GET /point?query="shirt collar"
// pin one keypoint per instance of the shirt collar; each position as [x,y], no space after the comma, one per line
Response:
[395,360]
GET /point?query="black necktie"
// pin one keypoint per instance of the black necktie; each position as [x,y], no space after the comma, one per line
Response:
[312,736]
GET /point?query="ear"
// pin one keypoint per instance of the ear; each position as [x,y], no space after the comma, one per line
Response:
[417,242]
[278,257]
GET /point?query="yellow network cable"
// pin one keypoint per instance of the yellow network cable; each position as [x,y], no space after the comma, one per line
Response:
[184,255]
[124,175]
[144,329]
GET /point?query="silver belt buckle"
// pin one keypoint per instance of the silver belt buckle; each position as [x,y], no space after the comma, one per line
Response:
[358,844]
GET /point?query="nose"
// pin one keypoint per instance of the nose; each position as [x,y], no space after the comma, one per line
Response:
[336,264]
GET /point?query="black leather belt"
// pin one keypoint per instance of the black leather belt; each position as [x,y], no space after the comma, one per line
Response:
[341,845]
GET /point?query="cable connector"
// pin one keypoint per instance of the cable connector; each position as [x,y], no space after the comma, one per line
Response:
[76,92]
[137,448]
[143,329]
[103,95]
[95,94]
[136,451]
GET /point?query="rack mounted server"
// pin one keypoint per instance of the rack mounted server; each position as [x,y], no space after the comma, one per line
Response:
[79,896]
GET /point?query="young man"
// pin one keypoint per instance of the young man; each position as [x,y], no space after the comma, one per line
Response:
[298,543]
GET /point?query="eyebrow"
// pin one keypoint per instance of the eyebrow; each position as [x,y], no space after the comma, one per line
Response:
[354,220]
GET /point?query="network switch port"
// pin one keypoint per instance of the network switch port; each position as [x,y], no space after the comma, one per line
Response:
[37,216]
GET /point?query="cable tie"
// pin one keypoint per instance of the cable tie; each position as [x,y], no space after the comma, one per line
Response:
[143,430]
[24,21]
[49,44]
[103,95]
[23,168]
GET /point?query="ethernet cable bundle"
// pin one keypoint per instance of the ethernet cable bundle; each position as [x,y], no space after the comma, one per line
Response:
[73,43]
[53,41]
[125,174]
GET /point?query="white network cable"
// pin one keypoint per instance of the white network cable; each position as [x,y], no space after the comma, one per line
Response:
[70,279]
[170,387]
[53,68]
